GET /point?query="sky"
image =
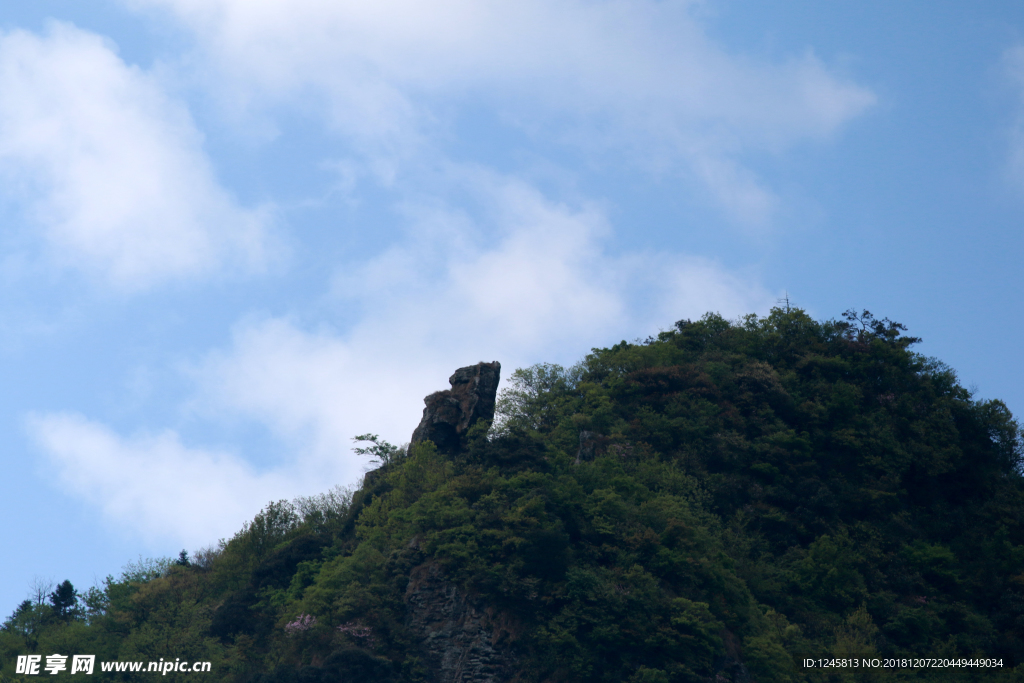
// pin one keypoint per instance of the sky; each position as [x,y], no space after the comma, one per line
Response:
[236,233]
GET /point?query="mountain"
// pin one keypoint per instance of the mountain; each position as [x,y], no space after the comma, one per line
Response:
[721,503]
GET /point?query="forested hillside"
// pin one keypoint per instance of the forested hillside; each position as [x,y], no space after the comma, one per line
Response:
[717,503]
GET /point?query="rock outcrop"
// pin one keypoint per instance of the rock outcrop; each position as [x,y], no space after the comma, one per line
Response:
[731,668]
[449,414]
[463,642]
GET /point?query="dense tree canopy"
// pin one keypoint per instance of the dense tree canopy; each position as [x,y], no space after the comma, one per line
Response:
[724,499]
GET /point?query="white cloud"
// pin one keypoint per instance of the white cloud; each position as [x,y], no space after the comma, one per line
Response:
[634,75]
[111,167]
[154,485]
[546,288]
[316,389]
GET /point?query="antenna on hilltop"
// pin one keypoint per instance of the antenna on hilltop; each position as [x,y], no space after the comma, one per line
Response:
[784,301]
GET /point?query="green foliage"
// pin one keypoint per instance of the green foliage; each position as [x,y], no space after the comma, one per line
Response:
[64,602]
[383,453]
[727,497]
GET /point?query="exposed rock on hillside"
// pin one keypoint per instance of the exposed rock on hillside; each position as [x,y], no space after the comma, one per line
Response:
[449,414]
[464,642]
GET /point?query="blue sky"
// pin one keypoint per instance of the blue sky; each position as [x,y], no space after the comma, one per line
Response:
[235,233]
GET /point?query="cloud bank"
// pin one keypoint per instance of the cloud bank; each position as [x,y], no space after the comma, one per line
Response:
[449,296]
[548,284]
[153,485]
[635,77]
[509,274]
[111,169]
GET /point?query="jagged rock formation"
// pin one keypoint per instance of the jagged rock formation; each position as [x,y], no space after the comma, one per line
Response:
[464,642]
[449,414]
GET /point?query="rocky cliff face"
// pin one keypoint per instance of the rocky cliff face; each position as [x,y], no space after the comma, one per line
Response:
[464,642]
[449,414]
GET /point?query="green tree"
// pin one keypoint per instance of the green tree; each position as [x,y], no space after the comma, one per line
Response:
[381,451]
[64,601]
